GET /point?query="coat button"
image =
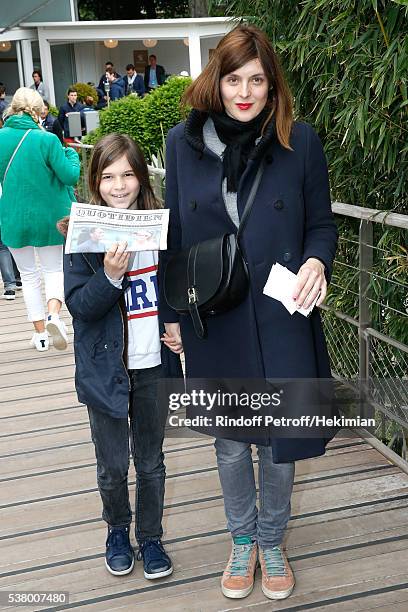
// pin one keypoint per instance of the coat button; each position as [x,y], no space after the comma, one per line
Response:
[287,256]
[278,205]
[193,205]
[118,380]
[116,344]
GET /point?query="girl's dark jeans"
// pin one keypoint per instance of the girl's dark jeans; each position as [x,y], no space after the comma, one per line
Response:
[147,420]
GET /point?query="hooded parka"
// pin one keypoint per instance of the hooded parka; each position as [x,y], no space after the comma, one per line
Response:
[290,221]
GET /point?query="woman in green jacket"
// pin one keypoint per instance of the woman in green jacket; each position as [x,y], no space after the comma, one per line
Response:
[37,176]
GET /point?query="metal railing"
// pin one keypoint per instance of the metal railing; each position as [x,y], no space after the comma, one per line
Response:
[358,351]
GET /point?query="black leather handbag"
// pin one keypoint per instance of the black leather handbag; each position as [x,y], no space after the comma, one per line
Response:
[210,277]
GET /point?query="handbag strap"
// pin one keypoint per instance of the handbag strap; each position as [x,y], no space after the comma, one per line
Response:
[251,198]
[192,293]
[15,151]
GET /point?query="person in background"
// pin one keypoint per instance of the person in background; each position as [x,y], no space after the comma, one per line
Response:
[37,175]
[116,88]
[71,106]
[39,85]
[8,269]
[134,83]
[154,74]
[89,104]
[102,80]
[17,275]
[7,273]
[50,123]
[3,103]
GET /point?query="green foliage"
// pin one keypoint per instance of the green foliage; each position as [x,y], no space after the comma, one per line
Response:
[53,110]
[95,10]
[123,116]
[162,111]
[347,65]
[144,119]
[84,90]
[92,137]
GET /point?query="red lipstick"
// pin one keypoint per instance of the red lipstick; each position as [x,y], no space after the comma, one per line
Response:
[244,106]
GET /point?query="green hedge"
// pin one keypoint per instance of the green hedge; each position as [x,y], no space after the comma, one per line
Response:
[84,90]
[146,119]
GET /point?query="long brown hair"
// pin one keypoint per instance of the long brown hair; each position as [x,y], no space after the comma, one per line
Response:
[106,151]
[243,44]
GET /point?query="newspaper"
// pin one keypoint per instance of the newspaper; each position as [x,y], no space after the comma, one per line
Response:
[93,229]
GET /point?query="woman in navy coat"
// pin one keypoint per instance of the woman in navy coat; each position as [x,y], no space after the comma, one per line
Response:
[242,116]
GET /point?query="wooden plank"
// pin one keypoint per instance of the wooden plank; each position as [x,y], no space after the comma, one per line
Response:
[347,535]
[360,571]
[32,377]
[371,214]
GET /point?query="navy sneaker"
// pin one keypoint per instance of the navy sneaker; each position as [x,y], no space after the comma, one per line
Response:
[119,557]
[156,563]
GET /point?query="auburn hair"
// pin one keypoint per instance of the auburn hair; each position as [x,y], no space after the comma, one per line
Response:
[111,148]
[243,44]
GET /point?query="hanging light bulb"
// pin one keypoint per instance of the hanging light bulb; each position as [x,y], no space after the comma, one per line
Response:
[150,42]
[5,46]
[110,43]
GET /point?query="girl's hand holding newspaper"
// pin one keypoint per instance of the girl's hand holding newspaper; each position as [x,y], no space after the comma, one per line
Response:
[116,261]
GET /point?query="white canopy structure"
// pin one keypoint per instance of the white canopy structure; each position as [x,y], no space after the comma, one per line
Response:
[182,44]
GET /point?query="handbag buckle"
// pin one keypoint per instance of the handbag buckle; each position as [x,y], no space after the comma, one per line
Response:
[192,295]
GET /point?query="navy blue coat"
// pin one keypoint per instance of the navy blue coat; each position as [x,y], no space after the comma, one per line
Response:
[101,377]
[62,115]
[290,221]
[116,91]
[137,86]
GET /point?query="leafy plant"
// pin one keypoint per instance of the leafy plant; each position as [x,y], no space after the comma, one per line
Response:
[162,111]
[347,65]
[84,90]
[53,110]
[147,119]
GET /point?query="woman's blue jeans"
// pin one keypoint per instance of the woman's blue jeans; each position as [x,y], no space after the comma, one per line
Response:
[235,467]
[147,420]
[6,267]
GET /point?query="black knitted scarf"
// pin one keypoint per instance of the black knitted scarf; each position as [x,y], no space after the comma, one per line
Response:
[239,138]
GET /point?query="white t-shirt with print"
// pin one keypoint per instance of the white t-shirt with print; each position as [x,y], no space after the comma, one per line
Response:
[141,300]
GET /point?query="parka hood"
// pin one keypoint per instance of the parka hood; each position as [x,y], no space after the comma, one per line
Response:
[21,122]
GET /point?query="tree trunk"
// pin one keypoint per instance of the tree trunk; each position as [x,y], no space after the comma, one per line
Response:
[198,8]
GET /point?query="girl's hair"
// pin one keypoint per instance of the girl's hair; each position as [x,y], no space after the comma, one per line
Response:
[243,44]
[25,100]
[109,149]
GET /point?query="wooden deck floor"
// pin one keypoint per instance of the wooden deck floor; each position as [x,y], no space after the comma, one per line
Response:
[347,537]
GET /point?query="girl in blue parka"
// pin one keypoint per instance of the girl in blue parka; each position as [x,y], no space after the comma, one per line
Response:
[112,298]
